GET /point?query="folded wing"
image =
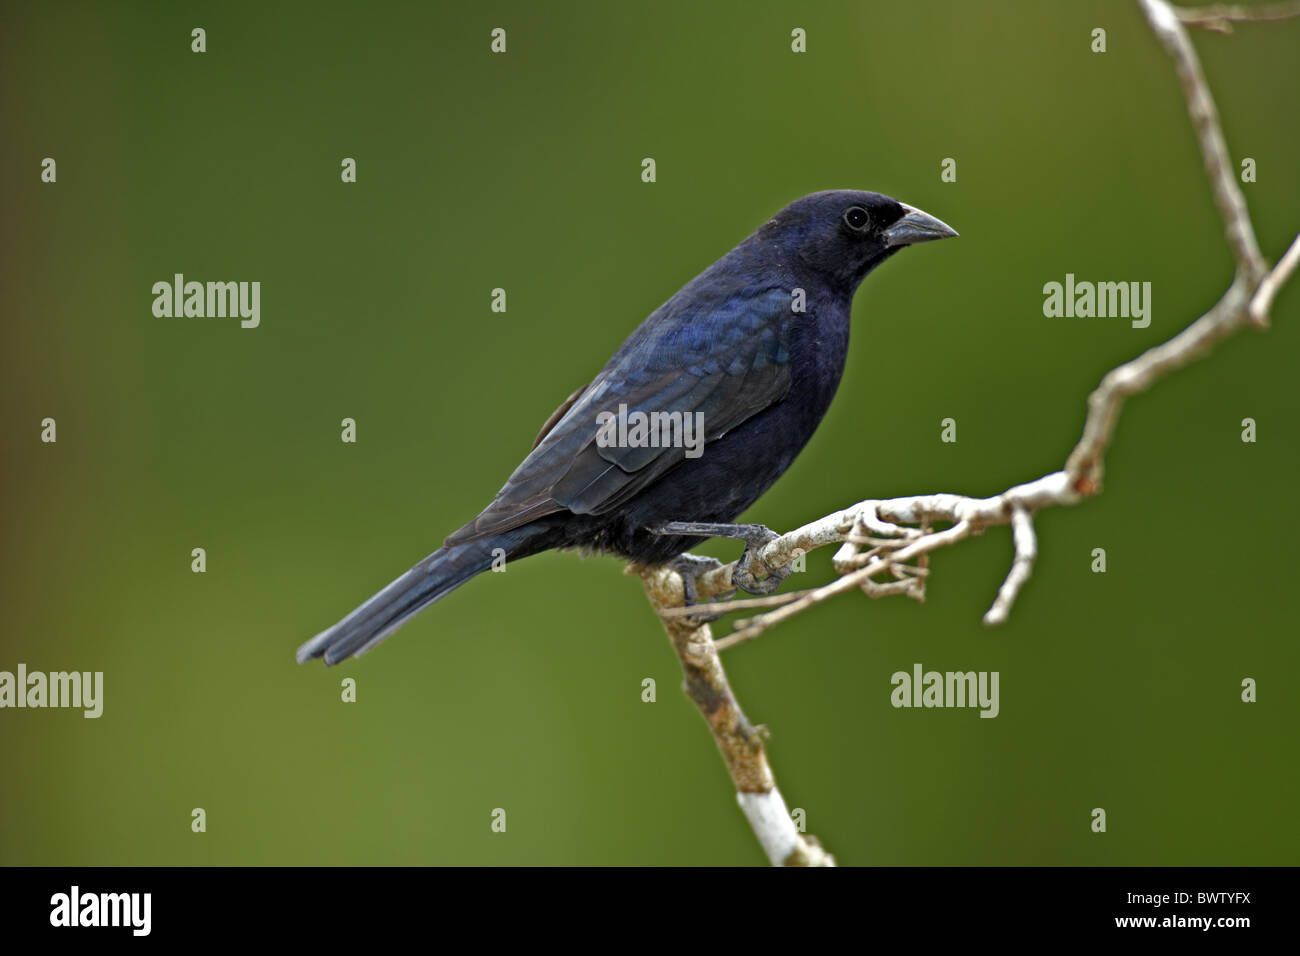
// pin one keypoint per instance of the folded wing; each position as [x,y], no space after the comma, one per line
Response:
[726,359]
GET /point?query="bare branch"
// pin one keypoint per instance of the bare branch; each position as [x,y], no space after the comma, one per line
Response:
[736,604]
[1228,315]
[1263,300]
[1220,16]
[967,516]
[1205,119]
[740,742]
[1026,543]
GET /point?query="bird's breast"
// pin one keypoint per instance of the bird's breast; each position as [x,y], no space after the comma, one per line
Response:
[819,347]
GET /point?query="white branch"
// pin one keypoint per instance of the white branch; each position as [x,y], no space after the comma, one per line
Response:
[1205,118]
[772,824]
[1026,543]
[1221,16]
[740,742]
[1263,300]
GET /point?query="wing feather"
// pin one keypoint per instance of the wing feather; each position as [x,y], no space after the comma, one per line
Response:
[676,363]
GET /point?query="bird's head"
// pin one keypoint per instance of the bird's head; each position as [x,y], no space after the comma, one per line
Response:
[842,234]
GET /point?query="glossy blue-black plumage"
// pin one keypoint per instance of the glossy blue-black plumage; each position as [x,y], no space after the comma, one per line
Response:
[756,344]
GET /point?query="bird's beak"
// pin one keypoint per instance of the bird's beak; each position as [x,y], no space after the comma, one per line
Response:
[916,226]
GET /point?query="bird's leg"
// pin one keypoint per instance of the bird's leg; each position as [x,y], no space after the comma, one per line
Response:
[755,536]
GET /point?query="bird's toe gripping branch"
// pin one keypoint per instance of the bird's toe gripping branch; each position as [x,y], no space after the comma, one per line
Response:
[755,536]
[691,567]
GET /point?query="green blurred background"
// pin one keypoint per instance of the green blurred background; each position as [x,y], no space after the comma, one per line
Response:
[522,691]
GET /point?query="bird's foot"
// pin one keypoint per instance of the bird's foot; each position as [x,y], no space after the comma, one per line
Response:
[755,536]
[690,567]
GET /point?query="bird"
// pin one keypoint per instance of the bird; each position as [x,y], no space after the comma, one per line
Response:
[748,355]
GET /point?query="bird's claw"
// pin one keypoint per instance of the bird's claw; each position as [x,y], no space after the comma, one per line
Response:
[690,567]
[756,538]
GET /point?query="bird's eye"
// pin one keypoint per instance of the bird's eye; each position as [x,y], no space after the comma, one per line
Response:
[856,218]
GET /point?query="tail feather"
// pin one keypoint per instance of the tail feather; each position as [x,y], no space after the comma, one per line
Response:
[437,575]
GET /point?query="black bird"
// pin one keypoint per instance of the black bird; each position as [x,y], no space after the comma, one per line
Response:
[752,349]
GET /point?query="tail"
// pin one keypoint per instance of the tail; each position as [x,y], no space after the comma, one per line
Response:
[437,575]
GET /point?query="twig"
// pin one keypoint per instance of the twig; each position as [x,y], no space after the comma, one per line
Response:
[736,604]
[1263,300]
[1221,16]
[1026,543]
[1205,118]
